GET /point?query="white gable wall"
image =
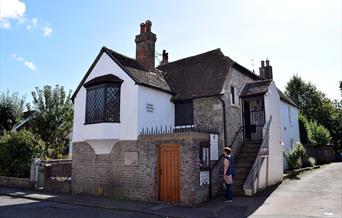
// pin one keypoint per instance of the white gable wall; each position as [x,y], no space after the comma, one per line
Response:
[127,129]
[290,126]
[155,109]
[272,107]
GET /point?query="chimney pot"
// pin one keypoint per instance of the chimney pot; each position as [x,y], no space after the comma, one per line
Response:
[267,62]
[148,26]
[262,63]
[165,59]
[142,28]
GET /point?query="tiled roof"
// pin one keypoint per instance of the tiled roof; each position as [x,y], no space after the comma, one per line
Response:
[255,88]
[286,99]
[197,76]
[152,78]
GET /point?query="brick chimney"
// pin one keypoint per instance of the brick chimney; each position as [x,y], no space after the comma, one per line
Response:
[165,59]
[266,71]
[145,41]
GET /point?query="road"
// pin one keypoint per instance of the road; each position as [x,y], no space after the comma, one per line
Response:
[11,207]
[316,193]
[313,194]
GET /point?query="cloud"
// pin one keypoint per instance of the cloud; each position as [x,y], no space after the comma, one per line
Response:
[14,10]
[29,64]
[47,30]
[34,23]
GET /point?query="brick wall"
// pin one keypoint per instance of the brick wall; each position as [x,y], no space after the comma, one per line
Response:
[108,175]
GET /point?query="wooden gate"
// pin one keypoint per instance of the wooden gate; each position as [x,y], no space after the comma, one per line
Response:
[168,173]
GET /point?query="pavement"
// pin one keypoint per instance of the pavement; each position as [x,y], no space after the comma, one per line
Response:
[316,193]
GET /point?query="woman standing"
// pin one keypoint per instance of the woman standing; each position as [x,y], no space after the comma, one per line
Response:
[227,172]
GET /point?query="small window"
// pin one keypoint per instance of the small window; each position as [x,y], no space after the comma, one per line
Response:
[290,117]
[184,113]
[233,97]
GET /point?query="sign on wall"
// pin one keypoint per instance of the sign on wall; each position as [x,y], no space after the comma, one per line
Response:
[213,147]
[204,177]
[149,107]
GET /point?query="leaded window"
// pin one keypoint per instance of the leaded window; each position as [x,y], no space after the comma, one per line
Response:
[184,113]
[103,103]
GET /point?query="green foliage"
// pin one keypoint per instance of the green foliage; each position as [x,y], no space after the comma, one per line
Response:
[16,152]
[294,156]
[52,120]
[11,109]
[303,129]
[318,135]
[315,106]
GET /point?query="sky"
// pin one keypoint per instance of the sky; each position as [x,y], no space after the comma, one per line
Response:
[55,42]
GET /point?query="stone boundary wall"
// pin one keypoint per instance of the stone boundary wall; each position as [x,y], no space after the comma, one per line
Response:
[58,168]
[322,155]
[16,182]
[130,170]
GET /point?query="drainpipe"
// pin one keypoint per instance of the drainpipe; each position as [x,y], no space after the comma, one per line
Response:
[224,121]
[224,138]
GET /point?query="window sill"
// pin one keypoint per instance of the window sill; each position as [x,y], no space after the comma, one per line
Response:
[235,105]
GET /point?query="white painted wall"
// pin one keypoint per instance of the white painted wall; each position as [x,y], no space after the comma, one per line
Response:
[289,123]
[163,109]
[127,129]
[133,113]
[272,107]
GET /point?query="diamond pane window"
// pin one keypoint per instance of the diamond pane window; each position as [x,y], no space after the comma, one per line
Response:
[184,113]
[103,103]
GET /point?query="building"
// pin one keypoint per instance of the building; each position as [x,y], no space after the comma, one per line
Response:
[156,133]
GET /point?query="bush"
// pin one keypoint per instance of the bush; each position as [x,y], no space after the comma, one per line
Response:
[303,129]
[16,152]
[294,156]
[318,135]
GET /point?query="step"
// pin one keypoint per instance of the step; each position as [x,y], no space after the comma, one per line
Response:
[250,149]
[244,164]
[241,170]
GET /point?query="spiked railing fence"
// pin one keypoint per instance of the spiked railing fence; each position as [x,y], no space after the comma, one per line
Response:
[156,130]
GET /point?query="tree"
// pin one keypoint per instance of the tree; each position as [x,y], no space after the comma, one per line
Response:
[52,120]
[315,106]
[16,151]
[305,95]
[11,109]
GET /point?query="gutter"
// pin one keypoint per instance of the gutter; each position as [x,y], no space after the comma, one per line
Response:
[224,141]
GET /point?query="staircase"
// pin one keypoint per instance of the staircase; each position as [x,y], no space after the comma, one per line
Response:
[243,165]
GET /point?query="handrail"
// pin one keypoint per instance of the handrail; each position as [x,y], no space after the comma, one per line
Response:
[236,135]
[231,145]
[253,173]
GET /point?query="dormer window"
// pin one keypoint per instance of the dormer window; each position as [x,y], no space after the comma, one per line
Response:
[103,99]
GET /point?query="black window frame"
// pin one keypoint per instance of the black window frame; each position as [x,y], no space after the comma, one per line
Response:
[182,109]
[104,117]
[232,94]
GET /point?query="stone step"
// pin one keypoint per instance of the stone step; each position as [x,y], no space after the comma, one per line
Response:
[239,175]
[241,170]
[250,149]
[244,164]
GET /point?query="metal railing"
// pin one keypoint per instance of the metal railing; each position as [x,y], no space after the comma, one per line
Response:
[156,130]
[254,172]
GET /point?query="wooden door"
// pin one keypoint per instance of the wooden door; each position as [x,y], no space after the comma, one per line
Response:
[168,173]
